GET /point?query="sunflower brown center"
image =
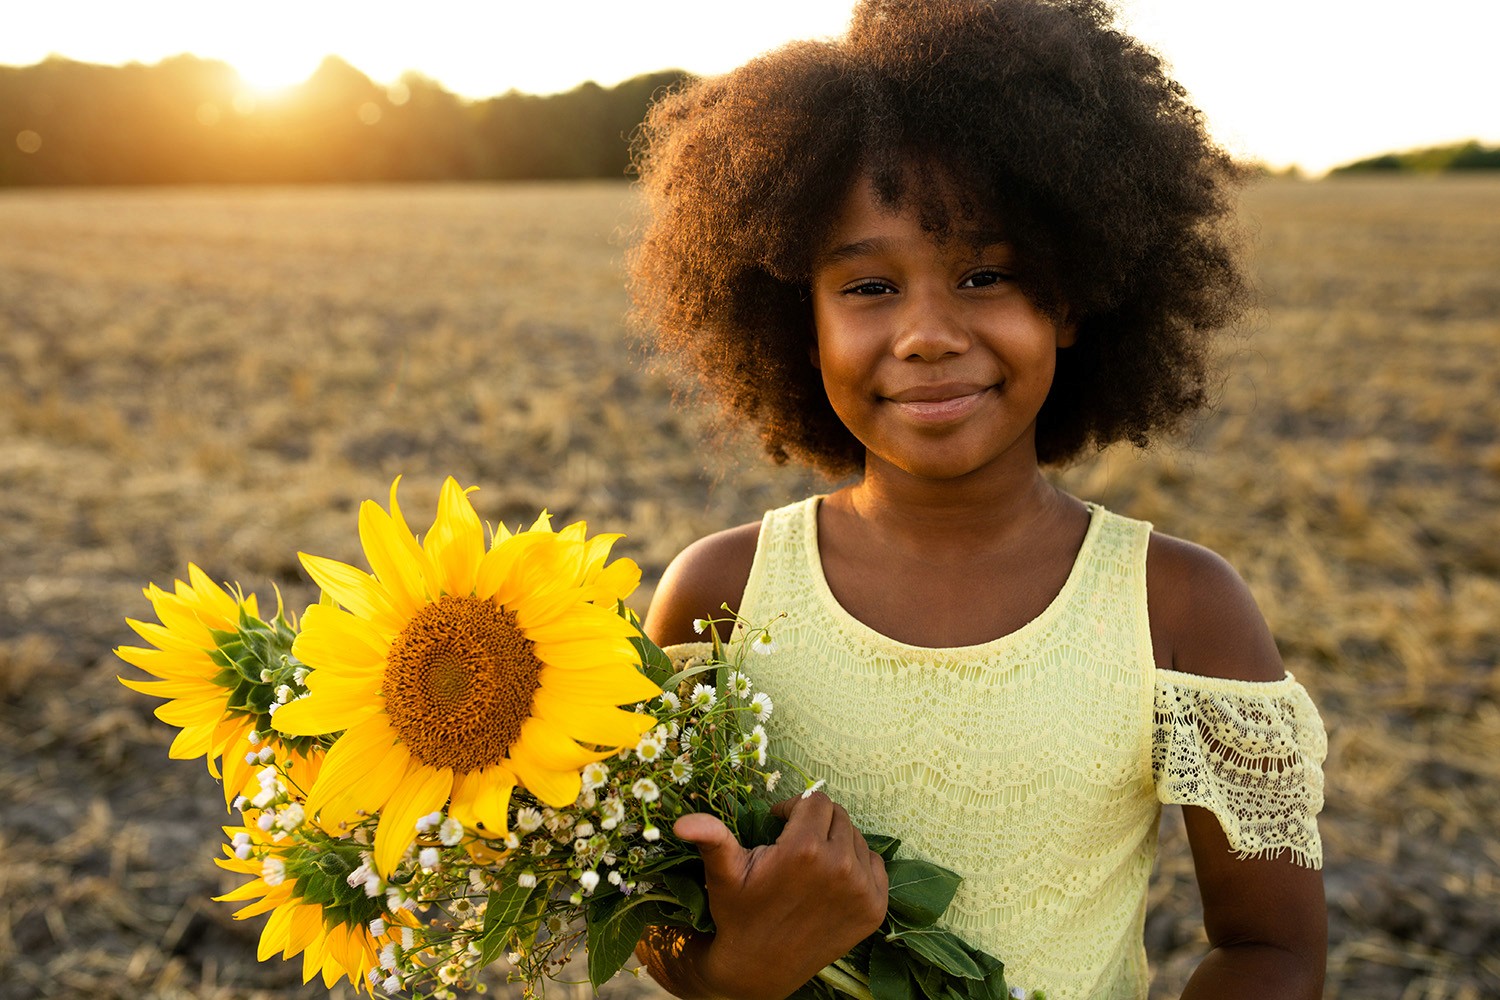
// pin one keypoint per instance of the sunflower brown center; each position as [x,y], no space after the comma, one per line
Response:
[458,683]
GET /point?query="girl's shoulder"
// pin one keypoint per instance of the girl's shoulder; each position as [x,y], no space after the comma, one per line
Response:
[1204,619]
[707,575]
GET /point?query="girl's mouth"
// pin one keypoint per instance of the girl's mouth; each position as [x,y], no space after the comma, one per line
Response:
[935,404]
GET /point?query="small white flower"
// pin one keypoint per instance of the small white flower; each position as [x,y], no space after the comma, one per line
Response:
[266,821]
[763,644]
[613,877]
[377,927]
[388,960]
[427,857]
[273,871]
[252,757]
[240,802]
[703,696]
[450,832]
[253,737]
[263,798]
[299,676]
[240,839]
[265,754]
[528,819]
[589,881]
[650,833]
[243,852]
[526,880]
[682,770]
[1018,993]
[612,814]
[284,693]
[771,780]
[760,706]
[734,756]
[391,984]
[670,701]
[408,938]
[584,830]
[645,789]
[512,841]
[513,957]
[267,777]
[265,676]
[813,788]
[291,817]
[649,748]
[273,707]
[740,683]
[595,774]
[700,625]
[428,823]
[576,898]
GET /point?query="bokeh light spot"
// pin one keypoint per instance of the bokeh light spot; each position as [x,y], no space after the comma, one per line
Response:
[369,112]
[28,141]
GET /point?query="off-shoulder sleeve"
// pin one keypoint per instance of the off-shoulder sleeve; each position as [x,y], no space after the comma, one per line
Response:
[1250,752]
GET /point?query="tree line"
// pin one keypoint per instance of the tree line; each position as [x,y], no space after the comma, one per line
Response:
[1471,155]
[190,120]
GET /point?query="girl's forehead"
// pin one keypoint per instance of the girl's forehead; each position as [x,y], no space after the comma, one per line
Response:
[863,218]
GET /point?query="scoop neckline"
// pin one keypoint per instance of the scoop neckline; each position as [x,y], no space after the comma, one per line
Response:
[842,616]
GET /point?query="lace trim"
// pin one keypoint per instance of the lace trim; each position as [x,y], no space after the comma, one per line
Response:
[1251,753]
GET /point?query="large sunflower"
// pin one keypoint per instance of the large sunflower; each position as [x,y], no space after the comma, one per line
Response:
[458,671]
[214,684]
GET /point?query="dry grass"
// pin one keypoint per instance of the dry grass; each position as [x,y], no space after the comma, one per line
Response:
[221,375]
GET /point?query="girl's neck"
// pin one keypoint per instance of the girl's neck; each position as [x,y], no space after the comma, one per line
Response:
[986,510]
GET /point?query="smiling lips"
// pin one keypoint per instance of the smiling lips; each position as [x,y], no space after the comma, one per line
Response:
[940,402]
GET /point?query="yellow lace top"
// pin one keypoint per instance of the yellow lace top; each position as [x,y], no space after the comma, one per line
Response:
[1034,765]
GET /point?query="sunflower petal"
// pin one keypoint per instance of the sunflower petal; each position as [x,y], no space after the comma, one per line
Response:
[612,685]
[396,559]
[353,767]
[456,541]
[556,788]
[598,724]
[424,790]
[358,591]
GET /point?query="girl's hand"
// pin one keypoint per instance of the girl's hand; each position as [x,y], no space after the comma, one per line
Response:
[784,911]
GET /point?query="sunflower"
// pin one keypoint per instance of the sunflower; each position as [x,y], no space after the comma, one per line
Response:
[315,912]
[459,671]
[217,689]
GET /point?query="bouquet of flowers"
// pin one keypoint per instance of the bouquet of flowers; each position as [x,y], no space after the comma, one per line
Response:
[469,755]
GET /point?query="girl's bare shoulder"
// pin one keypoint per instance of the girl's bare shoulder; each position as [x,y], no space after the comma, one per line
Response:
[705,576]
[1204,619]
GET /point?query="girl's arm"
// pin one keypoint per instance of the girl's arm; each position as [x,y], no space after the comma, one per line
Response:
[784,911]
[1265,918]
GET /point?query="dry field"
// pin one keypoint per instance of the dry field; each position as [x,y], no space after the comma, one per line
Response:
[221,375]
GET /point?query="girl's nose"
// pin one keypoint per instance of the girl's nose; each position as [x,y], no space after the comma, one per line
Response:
[930,329]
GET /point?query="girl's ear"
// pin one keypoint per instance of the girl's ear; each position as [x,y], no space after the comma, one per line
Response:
[1067,331]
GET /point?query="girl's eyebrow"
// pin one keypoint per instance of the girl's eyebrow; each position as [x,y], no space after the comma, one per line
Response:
[850,251]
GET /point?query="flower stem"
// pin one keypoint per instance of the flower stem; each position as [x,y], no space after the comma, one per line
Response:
[836,976]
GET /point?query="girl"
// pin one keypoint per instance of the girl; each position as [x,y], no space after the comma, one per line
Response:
[968,240]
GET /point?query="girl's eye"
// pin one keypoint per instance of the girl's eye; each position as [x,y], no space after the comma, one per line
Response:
[871,287]
[983,279]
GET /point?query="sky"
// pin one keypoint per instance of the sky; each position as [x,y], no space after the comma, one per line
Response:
[1310,82]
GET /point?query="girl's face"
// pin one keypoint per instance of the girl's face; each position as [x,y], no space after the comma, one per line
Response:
[930,353]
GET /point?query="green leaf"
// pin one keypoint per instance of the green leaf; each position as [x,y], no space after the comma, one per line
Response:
[929,978]
[501,918]
[687,885]
[755,825]
[655,664]
[883,845]
[941,949]
[613,933]
[889,978]
[920,891]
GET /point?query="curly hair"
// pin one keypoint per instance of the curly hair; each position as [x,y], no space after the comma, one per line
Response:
[1037,113]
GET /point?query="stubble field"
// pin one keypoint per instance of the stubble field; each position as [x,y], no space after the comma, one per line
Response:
[222,375]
